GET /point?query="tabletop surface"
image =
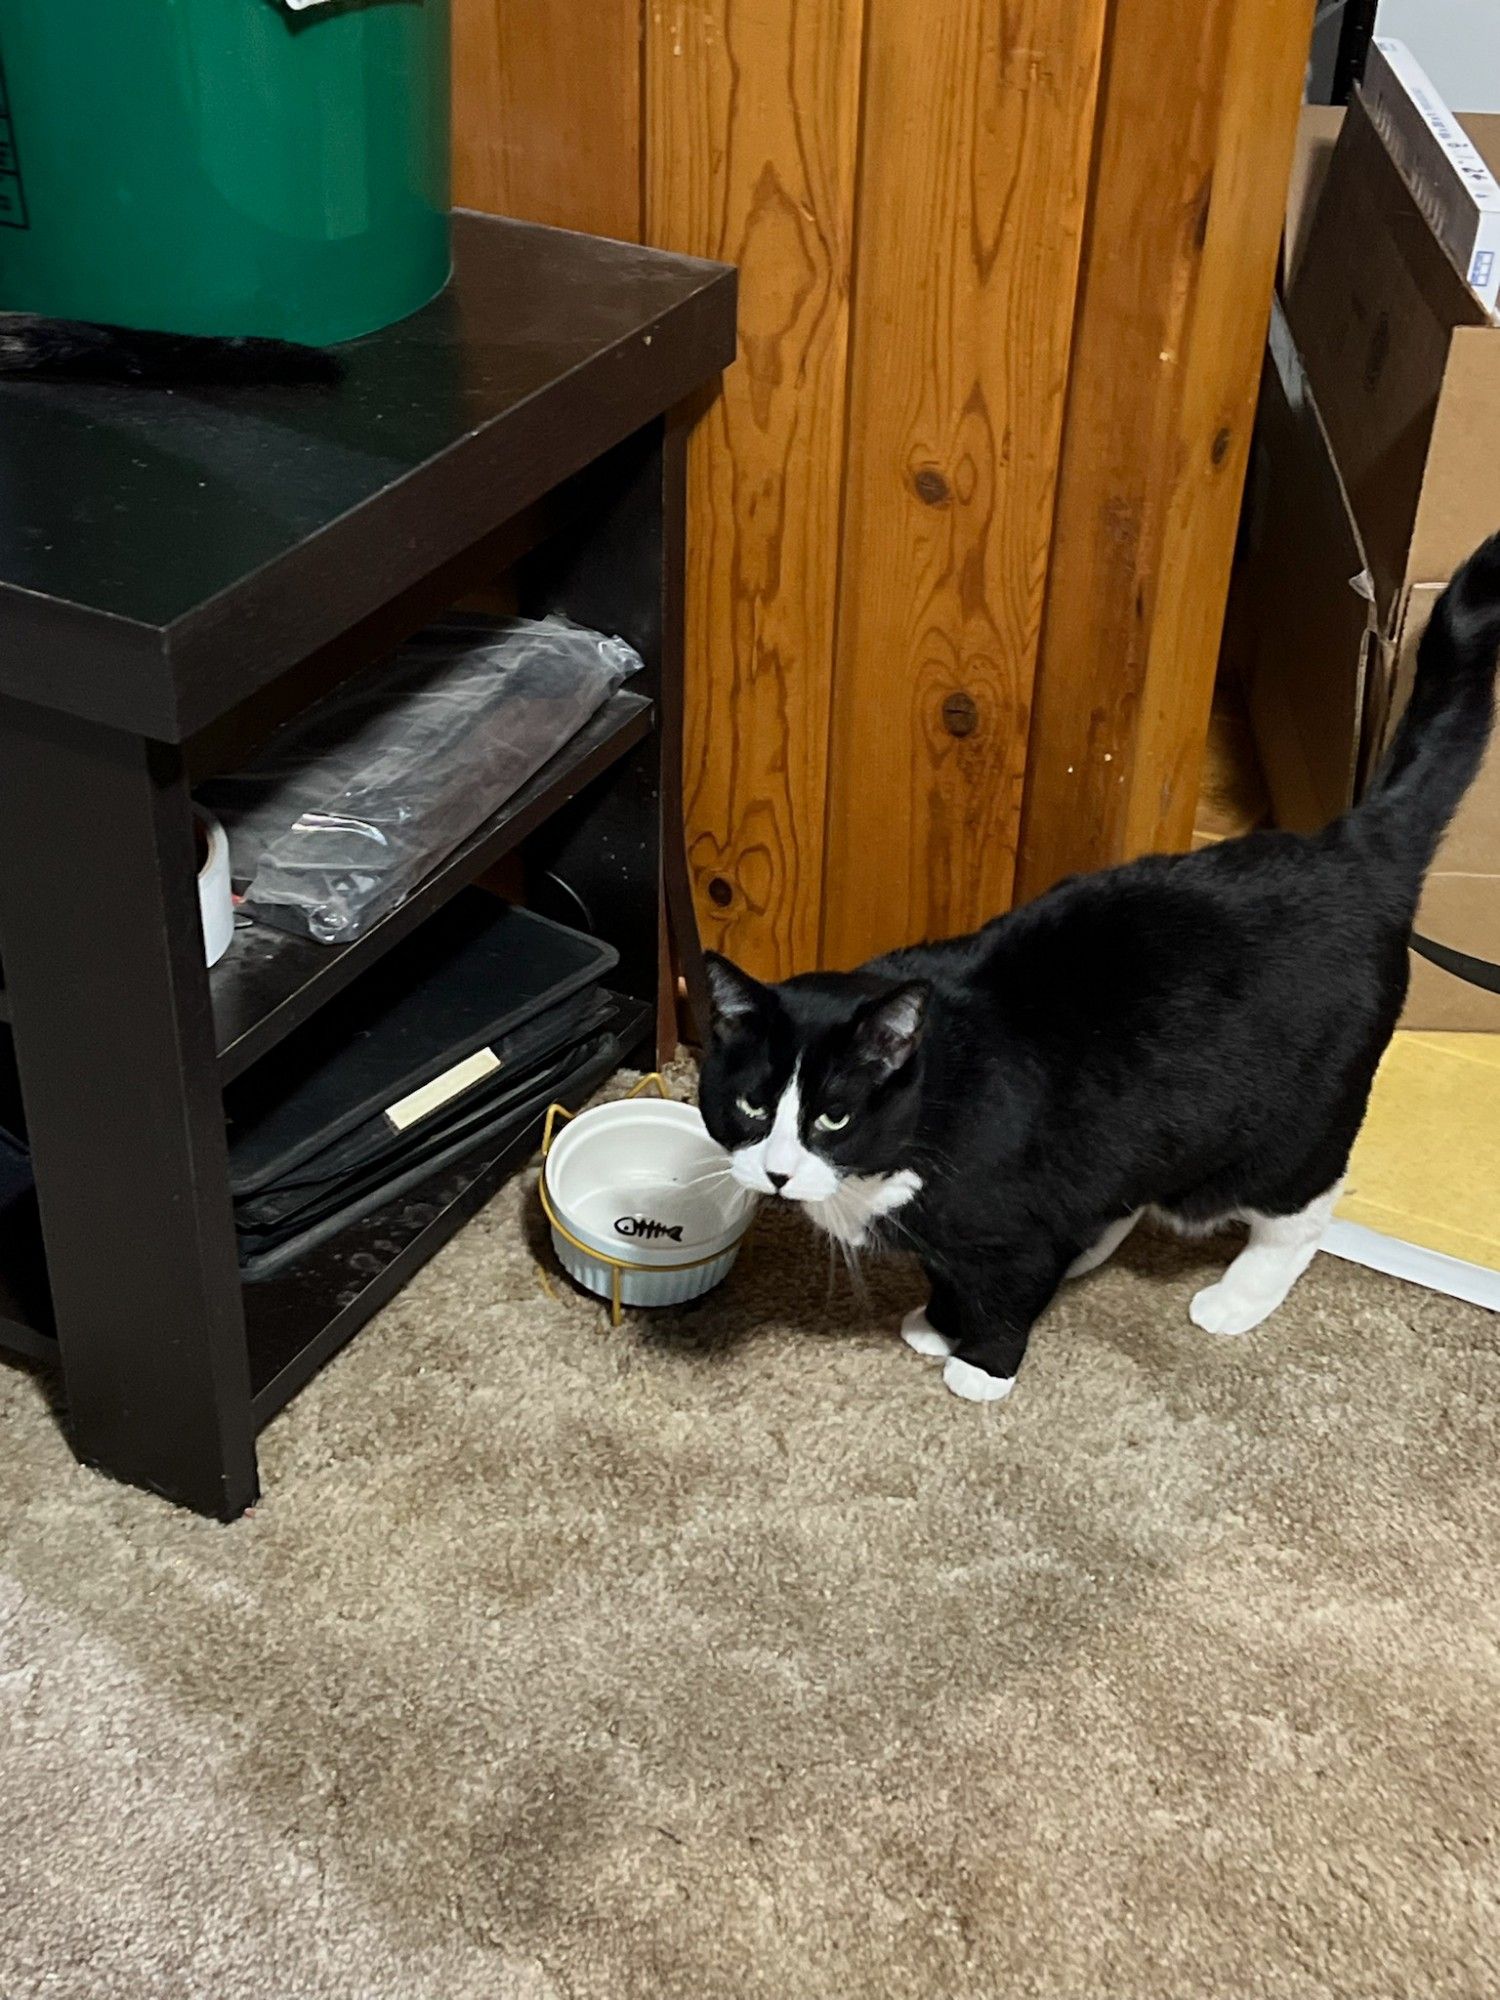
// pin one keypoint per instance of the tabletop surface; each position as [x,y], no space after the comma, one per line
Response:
[136,522]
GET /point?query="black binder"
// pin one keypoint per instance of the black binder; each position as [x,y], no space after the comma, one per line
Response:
[265,1252]
[448,1044]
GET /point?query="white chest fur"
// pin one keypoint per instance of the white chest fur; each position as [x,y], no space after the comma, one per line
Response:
[860,1201]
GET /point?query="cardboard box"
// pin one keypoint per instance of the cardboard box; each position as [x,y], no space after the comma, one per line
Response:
[1440,163]
[1375,470]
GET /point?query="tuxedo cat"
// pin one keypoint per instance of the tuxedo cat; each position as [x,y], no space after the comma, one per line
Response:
[1194,1034]
[75,350]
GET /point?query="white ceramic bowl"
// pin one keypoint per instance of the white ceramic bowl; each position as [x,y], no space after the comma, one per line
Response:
[640,1197]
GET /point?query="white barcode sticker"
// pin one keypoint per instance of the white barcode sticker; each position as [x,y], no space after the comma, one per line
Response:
[408,1111]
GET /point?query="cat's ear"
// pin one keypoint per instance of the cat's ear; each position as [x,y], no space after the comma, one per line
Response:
[889,1030]
[736,998]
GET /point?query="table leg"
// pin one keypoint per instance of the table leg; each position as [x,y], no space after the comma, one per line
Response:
[682,917]
[119,1078]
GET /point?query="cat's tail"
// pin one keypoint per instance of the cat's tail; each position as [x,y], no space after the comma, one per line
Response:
[41,349]
[1440,741]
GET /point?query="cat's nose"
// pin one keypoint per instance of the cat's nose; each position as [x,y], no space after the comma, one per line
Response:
[778,1181]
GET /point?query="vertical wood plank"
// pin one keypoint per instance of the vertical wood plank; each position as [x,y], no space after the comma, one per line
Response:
[1197,124]
[977,135]
[547,111]
[752,115]
[1263,77]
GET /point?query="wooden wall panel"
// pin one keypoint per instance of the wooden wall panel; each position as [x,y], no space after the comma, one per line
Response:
[752,110]
[1198,118]
[977,136]
[1253,160]
[547,111]
[879,527]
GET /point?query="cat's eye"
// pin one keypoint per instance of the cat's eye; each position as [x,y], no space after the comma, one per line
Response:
[756,1111]
[828,1123]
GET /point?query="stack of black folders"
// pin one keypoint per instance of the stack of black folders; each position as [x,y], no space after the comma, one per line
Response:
[455,1042]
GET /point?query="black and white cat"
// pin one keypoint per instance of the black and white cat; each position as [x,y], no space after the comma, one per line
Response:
[1194,1034]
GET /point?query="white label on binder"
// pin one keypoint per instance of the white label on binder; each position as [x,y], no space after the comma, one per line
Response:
[442,1089]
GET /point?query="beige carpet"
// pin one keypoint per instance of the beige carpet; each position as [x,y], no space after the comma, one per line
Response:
[728,1656]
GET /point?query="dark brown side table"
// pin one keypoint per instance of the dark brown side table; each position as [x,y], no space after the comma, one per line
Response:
[180,571]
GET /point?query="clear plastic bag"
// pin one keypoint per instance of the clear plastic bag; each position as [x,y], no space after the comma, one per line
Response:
[351,805]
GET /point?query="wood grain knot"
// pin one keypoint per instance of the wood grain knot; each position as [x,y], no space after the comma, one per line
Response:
[932,488]
[960,714]
[1221,446]
[720,892]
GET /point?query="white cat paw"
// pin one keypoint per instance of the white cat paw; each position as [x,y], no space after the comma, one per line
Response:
[919,1333]
[973,1384]
[1226,1309]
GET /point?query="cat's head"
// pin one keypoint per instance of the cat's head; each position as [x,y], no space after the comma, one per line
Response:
[814,1080]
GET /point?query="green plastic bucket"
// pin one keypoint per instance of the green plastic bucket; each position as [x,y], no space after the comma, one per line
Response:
[224,166]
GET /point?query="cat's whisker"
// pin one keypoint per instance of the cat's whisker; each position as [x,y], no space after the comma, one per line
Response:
[856,1275]
[929,1163]
[899,1228]
[705,1180]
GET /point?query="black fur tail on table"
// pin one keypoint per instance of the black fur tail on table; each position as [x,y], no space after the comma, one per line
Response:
[38,349]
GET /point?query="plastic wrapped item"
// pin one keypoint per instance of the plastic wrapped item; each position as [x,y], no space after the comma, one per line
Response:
[351,805]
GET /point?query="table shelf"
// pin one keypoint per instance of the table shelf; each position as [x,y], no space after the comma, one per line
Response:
[247,549]
[271,982]
[296,1320]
